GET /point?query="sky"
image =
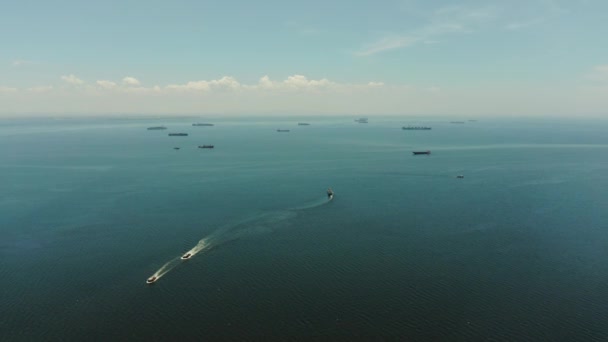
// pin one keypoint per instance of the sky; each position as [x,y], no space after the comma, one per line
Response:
[238,57]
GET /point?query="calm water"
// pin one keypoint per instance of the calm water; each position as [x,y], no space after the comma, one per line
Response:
[517,250]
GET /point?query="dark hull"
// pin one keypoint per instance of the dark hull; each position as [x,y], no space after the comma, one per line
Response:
[206,146]
[178,134]
[421,152]
[416,128]
[202,124]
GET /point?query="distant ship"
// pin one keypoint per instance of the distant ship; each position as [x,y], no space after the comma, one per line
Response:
[457,122]
[202,124]
[303,124]
[421,152]
[151,280]
[178,134]
[460,176]
[176,148]
[362,120]
[416,128]
[205,146]
[156,128]
[186,256]
[472,120]
[282,130]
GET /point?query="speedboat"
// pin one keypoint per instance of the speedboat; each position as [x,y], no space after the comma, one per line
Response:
[330,193]
[151,280]
[186,256]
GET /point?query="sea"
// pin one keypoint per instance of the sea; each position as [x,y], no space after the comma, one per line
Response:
[516,250]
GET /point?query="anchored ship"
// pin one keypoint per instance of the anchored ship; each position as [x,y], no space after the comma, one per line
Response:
[421,152]
[178,134]
[202,124]
[156,128]
[416,128]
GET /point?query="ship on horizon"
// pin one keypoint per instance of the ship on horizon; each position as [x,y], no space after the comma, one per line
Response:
[156,128]
[416,128]
[202,124]
[178,134]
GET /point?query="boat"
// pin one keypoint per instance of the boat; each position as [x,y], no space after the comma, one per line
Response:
[176,148]
[156,128]
[205,146]
[178,134]
[416,128]
[460,176]
[361,120]
[186,256]
[421,152]
[202,124]
[151,280]
[330,193]
[282,130]
[303,124]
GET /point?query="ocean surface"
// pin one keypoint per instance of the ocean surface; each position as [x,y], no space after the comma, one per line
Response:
[516,250]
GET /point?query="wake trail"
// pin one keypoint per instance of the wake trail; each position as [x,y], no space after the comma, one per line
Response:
[257,224]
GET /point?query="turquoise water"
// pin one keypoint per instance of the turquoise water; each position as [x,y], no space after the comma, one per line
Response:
[91,208]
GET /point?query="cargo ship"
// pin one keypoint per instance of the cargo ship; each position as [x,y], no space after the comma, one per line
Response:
[156,128]
[416,128]
[178,134]
[421,152]
[205,146]
[202,124]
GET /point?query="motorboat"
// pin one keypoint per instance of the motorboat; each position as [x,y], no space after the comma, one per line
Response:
[186,256]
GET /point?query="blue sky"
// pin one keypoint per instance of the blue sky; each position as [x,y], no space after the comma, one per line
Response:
[533,57]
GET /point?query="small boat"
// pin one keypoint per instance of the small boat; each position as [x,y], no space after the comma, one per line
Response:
[330,193]
[176,148]
[421,152]
[303,124]
[460,176]
[205,146]
[362,120]
[151,280]
[282,130]
[186,256]
[178,134]
[202,124]
[156,128]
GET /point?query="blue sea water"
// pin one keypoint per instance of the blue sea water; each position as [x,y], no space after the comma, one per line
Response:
[90,208]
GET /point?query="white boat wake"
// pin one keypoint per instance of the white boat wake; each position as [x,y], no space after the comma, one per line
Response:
[258,224]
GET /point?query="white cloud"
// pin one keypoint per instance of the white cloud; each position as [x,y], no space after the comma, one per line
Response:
[40,89]
[599,74]
[444,21]
[131,81]
[71,79]
[20,62]
[7,89]
[106,84]
[225,82]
